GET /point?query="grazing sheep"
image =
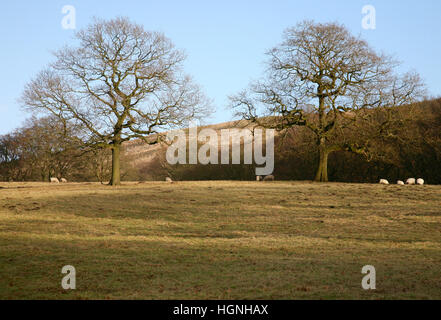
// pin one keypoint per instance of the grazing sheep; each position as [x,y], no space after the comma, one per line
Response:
[168,179]
[269,178]
[400,183]
[410,181]
[420,182]
[63,180]
[384,181]
[54,180]
[259,178]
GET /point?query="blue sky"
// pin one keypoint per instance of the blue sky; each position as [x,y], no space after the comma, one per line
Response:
[225,40]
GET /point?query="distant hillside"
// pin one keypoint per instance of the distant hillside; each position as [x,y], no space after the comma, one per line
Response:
[416,153]
[141,153]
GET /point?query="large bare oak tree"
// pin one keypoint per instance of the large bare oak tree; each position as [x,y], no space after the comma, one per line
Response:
[120,83]
[324,78]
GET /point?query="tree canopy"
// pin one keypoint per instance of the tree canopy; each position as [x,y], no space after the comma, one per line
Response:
[324,78]
[119,83]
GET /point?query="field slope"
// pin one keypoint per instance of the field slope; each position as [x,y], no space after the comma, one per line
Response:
[220,240]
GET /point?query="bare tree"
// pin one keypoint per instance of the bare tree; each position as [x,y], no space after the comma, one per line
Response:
[121,82]
[12,166]
[324,78]
[41,149]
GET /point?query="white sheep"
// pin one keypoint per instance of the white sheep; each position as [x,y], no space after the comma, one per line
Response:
[168,179]
[63,180]
[400,183]
[384,181]
[269,178]
[410,181]
[54,180]
[420,181]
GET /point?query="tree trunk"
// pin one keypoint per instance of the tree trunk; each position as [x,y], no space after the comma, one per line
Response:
[322,170]
[116,173]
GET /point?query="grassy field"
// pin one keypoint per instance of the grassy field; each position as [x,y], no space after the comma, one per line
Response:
[220,240]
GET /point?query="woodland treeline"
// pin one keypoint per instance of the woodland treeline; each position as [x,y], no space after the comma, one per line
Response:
[338,106]
[402,142]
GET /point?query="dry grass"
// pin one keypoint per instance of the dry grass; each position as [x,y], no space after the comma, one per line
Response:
[220,240]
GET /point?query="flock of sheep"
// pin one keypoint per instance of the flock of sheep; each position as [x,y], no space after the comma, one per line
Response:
[410,181]
[55,180]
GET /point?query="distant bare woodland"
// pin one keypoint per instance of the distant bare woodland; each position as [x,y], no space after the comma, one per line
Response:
[414,151]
